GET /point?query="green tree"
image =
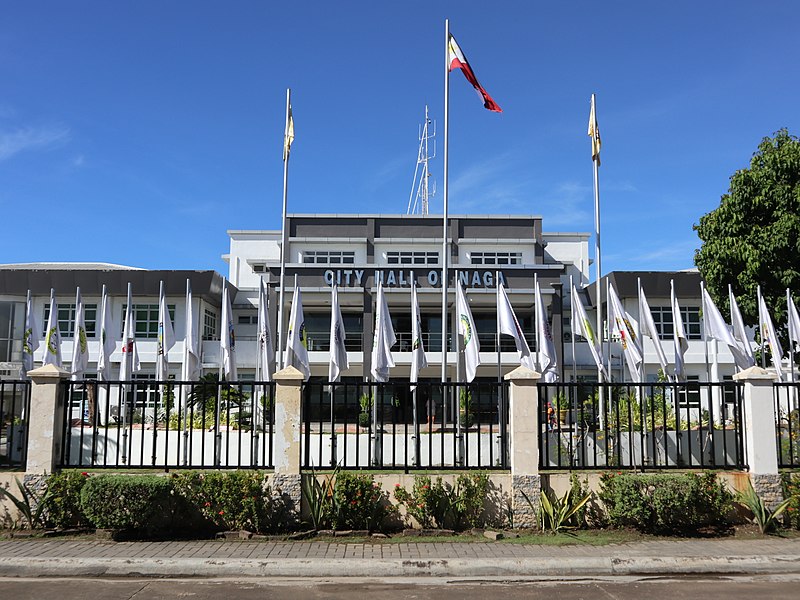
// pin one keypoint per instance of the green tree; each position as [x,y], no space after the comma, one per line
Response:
[753,238]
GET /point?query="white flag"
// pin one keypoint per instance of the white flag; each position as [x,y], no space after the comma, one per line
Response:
[383,339]
[227,340]
[624,328]
[191,349]
[794,329]
[768,335]
[679,339]
[52,336]
[130,355]
[583,327]
[745,353]
[547,358]
[30,339]
[80,346]
[107,343]
[649,329]
[166,337]
[296,352]
[266,349]
[716,328]
[507,323]
[418,359]
[469,335]
[337,348]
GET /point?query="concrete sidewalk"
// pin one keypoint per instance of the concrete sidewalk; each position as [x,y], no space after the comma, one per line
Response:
[61,558]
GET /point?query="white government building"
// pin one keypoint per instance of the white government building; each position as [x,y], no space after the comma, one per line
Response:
[353,250]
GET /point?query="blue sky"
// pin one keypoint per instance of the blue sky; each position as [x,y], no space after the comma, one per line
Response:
[139,132]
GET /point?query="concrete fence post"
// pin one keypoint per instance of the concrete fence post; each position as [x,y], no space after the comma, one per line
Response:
[45,419]
[760,433]
[286,480]
[524,432]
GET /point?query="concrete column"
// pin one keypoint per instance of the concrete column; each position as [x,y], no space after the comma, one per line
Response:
[524,432]
[760,433]
[286,481]
[46,418]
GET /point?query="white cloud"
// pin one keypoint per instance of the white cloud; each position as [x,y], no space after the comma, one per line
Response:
[31,138]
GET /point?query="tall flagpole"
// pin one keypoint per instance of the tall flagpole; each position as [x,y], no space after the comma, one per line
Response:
[593,131]
[444,198]
[283,227]
[791,338]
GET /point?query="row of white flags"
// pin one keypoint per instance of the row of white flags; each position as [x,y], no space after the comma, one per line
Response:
[623,327]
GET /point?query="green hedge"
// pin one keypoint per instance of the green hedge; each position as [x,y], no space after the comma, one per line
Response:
[665,503]
[139,503]
[62,503]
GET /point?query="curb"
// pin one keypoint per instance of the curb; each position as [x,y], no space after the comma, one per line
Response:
[449,567]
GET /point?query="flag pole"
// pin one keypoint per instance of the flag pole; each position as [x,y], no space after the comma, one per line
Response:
[572,328]
[598,267]
[705,336]
[444,198]
[640,333]
[284,240]
[761,329]
[791,338]
[497,305]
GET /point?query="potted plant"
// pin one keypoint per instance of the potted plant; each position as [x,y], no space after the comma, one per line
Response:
[366,402]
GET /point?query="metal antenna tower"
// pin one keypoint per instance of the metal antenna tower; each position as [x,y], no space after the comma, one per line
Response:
[421,191]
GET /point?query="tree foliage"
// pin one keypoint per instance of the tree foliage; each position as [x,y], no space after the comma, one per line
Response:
[753,238]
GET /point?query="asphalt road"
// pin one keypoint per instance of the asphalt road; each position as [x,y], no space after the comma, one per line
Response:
[619,588]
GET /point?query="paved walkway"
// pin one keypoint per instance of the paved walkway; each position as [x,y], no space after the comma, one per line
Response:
[28,558]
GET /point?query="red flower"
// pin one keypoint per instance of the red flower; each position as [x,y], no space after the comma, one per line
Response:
[222,512]
[85,474]
[207,504]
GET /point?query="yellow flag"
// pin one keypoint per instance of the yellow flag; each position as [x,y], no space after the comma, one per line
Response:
[594,133]
[288,137]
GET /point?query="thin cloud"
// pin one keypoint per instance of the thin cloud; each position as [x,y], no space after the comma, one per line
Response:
[31,138]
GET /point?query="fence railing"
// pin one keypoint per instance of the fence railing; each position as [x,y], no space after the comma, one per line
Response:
[167,425]
[639,426]
[389,425]
[787,424]
[14,411]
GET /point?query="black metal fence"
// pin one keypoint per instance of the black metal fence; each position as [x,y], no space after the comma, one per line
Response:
[167,425]
[787,422]
[14,413]
[639,426]
[388,425]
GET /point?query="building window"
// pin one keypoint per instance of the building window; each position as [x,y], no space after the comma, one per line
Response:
[8,314]
[495,258]
[248,319]
[412,258]
[690,315]
[689,395]
[209,325]
[66,319]
[259,268]
[329,257]
[145,320]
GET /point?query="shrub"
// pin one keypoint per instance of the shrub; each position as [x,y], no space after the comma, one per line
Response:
[357,502]
[428,503]
[137,503]
[791,489]
[665,503]
[231,500]
[440,504]
[62,507]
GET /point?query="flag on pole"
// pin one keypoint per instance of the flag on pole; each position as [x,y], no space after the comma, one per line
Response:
[80,347]
[107,343]
[794,320]
[547,358]
[681,343]
[191,349]
[227,341]
[457,60]
[288,136]
[469,335]
[337,347]
[507,323]
[649,329]
[166,337]
[383,339]
[418,359]
[266,350]
[296,352]
[583,327]
[30,338]
[716,328]
[745,353]
[623,326]
[52,336]
[768,335]
[130,355]
[594,133]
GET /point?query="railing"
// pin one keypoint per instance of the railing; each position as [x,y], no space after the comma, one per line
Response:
[641,426]
[14,411]
[167,425]
[391,426]
[787,416]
